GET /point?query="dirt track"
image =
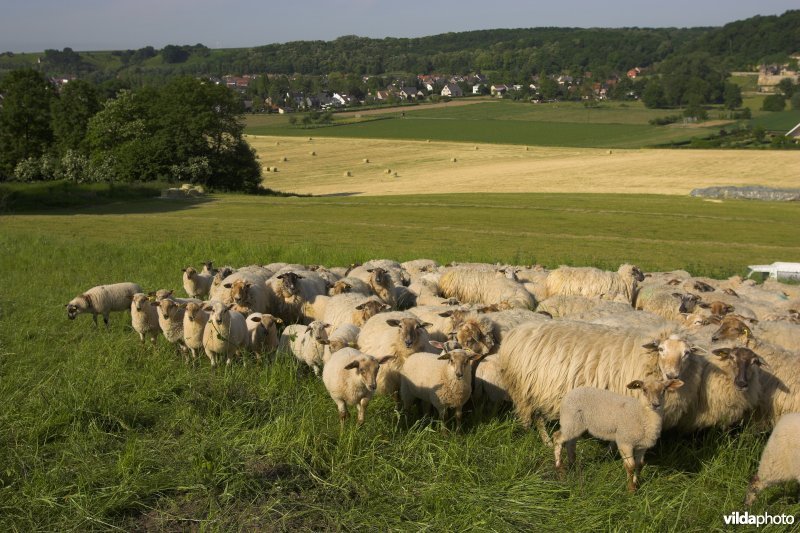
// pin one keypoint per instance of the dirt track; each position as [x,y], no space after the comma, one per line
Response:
[427,168]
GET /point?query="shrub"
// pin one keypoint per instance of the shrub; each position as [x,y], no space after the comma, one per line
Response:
[774,102]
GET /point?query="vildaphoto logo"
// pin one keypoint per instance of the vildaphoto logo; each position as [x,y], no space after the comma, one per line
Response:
[747,519]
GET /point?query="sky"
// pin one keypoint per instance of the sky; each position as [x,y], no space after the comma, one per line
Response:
[36,25]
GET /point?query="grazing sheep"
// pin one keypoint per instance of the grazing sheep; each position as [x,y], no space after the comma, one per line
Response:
[571,305]
[352,309]
[195,319]
[780,460]
[225,334]
[443,381]
[634,425]
[730,388]
[396,333]
[593,282]
[307,343]
[345,336]
[293,292]
[666,303]
[542,361]
[351,379]
[103,300]
[197,284]
[475,286]
[144,317]
[262,334]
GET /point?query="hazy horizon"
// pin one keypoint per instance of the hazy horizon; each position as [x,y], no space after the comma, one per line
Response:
[86,25]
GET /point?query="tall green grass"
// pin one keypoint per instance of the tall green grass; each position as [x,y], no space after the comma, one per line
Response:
[98,432]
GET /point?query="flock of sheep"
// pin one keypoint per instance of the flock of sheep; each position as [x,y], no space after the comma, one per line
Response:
[622,355]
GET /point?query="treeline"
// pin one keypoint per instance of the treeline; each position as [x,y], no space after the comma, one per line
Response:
[508,54]
[185,130]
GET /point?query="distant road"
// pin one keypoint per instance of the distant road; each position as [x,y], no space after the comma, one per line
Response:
[398,109]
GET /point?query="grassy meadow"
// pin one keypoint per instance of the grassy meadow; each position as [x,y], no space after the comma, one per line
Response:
[100,433]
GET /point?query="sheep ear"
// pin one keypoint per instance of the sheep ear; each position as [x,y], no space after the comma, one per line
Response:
[228,285]
[155,304]
[722,353]
[360,307]
[325,342]
[446,314]
[279,321]
[280,276]
[353,364]
[545,313]
[370,270]
[385,307]
[393,322]
[182,305]
[678,295]
[444,356]
[385,359]
[635,384]
[674,384]
[207,307]
[704,305]
[760,362]
[425,324]
[229,307]
[254,319]
[652,345]
[438,345]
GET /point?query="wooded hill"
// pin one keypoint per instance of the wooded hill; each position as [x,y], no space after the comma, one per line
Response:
[511,54]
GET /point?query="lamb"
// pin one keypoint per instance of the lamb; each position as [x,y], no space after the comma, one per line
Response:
[730,388]
[593,282]
[634,425]
[475,286]
[293,292]
[197,284]
[225,334]
[780,460]
[195,319]
[262,334]
[350,377]
[542,361]
[666,303]
[144,317]
[396,333]
[103,300]
[352,309]
[170,319]
[444,381]
[250,297]
[307,343]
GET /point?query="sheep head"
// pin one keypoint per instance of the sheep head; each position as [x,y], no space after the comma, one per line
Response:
[746,362]
[672,354]
[459,361]
[732,327]
[653,390]
[367,368]
[409,329]
[367,310]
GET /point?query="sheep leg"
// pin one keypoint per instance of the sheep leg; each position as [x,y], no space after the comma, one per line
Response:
[442,410]
[94,318]
[639,457]
[362,410]
[459,417]
[629,461]
[105,320]
[540,426]
[755,486]
[141,338]
[342,408]
[557,444]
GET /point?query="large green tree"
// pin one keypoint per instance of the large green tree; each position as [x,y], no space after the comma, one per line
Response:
[25,129]
[77,103]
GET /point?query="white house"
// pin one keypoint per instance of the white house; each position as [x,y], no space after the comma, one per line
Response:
[452,90]
[499,90]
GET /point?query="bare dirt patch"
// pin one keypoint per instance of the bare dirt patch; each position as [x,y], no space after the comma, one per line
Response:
[419,167]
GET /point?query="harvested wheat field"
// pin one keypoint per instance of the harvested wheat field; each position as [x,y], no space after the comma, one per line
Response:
[338,166]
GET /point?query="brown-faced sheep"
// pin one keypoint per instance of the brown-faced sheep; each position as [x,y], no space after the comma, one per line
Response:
[350,377]
[144,317]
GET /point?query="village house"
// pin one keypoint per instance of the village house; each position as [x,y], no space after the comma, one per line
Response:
[452,90]
[498,90]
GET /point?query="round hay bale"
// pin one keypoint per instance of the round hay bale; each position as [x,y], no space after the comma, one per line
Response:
[527,149]
[274,169]
[453,159]
[388,170]
[366,160]
[312,152]
[284,159]
[609,152]
[427,140]
[396,175]
[476,147]
[311,138]
[347,174]
[277,143]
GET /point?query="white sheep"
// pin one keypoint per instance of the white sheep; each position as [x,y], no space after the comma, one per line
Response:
[352,309]
[443,319]
[396,333]
[783,334]
[634,425]
[225,333]
[350,377]
[443,381]
[294,291]
[344,336]
[103,300]
[780,460]
[250,296]
[350,285]
[307,343]
[197,284]
[144,317]
[542,361]
[195,319]
[564,306]
[170,319]
[488,384]
[593,282]
[262,334]
[476,286]
[427,293]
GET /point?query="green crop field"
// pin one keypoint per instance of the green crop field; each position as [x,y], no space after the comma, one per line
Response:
[100,433]
[779,121]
